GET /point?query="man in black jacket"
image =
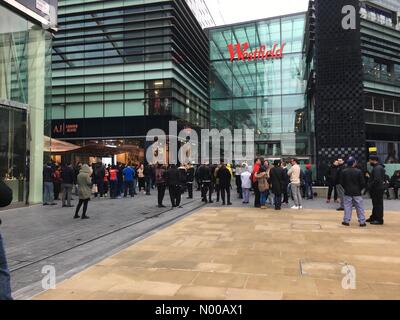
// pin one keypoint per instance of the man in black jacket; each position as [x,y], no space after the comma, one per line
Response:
[5,287]
[277,181]
[174,185]
[376,189]
[190,180]
[68,181]
[225,179]
[395,184]
[205,180]
[352,180]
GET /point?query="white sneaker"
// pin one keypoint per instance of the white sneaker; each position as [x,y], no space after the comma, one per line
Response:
[295,208]
[300,208]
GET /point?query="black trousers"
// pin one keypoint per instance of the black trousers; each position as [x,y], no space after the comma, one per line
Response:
[176,195]
[190,189]
[239,186]
[85,206]
[334,190]
[161,193]
[257,203]
[377,202]
[206,189]
[128,188]
[396,193]
[278,201]
[285,195]
[227,190]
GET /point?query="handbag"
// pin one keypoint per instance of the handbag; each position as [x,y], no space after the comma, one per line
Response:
[95,189]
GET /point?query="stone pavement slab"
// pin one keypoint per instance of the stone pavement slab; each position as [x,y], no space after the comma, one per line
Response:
[232,253]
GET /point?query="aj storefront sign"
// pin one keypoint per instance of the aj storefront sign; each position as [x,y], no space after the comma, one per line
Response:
[240,52]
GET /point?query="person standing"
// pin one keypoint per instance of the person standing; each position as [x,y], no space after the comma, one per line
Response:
[339,187]
[205,181]
[256,168]
[225,178]
[190,180]
[238,180]
[277,180]
[148,173]
[215,187]
[120,177]
[128,174]
[48,180]
[295,182]
[161,184]
[85,191]
[174,186]
[6,198]
[57,182]
[263,185]
[376,190]
[246,183]
[141,178]
[352,180]
[286,183]
[395,184]
[67,178]
[308,180]
[331,179]
[113,182]
[100,173]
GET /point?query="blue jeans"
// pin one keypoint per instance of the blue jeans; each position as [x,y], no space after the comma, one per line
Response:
[263,198]
[246,195]
[309,191]
[348,208]
[5,287]
[48,194]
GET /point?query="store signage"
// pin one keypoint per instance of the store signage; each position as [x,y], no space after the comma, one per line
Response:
[66,128]
[240,52]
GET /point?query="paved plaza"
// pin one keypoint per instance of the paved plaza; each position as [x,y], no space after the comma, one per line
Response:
[247,253]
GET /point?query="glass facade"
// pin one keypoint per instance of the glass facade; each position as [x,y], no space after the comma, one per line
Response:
[25,79]
[267,95]
[129,58]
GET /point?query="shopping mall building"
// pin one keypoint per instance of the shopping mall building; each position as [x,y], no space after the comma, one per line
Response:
[310,88]
[122,68]
[25,93]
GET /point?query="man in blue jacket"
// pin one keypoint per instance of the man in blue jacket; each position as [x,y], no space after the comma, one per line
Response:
[5,287]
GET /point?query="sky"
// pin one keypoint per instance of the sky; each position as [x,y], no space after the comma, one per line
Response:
[232,11]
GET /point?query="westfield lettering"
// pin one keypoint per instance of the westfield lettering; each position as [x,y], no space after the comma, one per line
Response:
[240,53]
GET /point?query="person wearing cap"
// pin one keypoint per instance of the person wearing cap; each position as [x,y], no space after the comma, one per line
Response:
[376,189]
[353,182]
[5,286]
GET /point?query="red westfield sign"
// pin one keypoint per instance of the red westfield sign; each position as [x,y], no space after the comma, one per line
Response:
[240,53]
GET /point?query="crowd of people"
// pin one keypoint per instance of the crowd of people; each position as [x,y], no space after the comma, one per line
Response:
[273,184]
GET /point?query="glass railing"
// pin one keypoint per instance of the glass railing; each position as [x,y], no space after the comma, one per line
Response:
[380,19]
[381,76]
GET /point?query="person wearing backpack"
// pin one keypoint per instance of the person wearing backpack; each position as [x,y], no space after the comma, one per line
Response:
[6,197]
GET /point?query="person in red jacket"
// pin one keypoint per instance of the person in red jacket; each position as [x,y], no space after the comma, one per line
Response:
[256,168]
